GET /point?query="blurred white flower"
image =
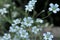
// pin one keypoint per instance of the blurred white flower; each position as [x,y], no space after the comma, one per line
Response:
[7,36]
[48,36]
[16,21]
[23,33]
[14,28]
[54,8]
[1,38]
[6,5]
[39,20]
[16,37]
[3,11]
[35,30]
[30,5]
[14,14]
[27,21]
[32,2]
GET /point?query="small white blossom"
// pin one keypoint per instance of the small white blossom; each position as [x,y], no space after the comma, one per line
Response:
[48,36]
[7,5]
[35,30]
[23,33]
[32,2]
[1,38]
[39,20]
[54,8]
[7,36]
[30,5]
[14,28]
[3,11]
[27,21]
[17,21]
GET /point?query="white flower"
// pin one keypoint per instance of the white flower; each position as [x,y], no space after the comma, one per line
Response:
[27,21]
[39,20]
[35,30]
[32,2]
[54,8]
[1,38]
[23,33]
[7,36]
[7,5]
[48,36]
[16,21]
[14,28]
[3,11]
[30,5]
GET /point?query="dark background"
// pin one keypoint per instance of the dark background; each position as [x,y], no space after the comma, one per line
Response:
[40,5]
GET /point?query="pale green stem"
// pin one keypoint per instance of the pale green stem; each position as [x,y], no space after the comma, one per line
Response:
[7,19]
[34,13]
[46,16]
[26,14]
[40,13]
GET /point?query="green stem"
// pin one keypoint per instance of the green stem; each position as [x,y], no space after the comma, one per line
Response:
[40,13]
[34,13]
[7,19]
[46,3]
[46,16]
[26,14]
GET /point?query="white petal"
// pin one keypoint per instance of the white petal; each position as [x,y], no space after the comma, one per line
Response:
[51,4]
[56,5]
[48,33]
[50,39]
[52,36]
[50,9]
[57,9]
[45,38]
[44,34]
[54,11]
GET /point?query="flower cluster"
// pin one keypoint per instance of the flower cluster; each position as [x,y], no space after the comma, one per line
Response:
[21,31]
[6,37]
[25,27]
[30,5]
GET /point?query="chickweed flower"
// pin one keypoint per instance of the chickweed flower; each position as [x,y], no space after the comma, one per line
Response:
[35,30]
[16,21]
[39,20]
[3,11]
[27,21]
[14,28]
[6,5]
[30,5]
[48,36]
[7,36]
[54,8]
[23,33]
